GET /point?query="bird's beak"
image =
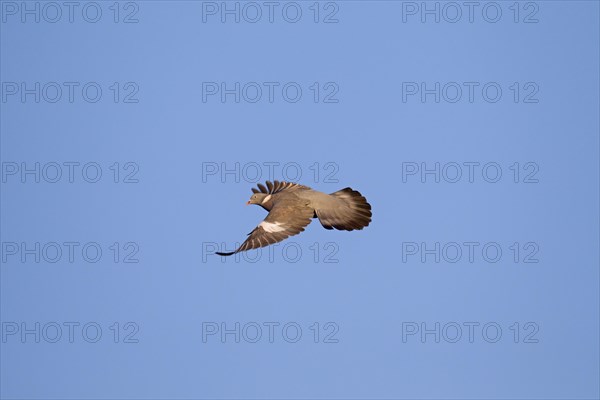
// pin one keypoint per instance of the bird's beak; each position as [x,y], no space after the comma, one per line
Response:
[248,203]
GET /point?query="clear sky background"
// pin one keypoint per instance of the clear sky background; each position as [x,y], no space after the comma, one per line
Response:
[402,309]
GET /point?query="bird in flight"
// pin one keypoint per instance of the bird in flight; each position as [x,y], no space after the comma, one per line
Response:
[291,207]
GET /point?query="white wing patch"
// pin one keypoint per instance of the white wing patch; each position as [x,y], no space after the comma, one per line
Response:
[270,227]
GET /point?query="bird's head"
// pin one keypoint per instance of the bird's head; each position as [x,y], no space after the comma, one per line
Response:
[257,198]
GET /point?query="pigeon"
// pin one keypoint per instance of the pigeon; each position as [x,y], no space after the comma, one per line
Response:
[291,207]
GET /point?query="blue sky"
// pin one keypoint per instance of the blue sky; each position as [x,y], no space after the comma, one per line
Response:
[132,135]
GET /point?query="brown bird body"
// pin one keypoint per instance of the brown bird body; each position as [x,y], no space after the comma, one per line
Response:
[291,207]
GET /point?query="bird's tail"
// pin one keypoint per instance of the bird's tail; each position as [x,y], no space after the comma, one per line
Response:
[357,206]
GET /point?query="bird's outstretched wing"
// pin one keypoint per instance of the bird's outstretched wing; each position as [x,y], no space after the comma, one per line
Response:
[287,218]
